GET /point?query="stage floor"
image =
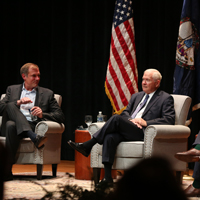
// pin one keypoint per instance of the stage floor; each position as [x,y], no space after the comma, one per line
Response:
[63,166]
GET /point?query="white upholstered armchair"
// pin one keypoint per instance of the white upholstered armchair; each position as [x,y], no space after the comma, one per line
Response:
[159,140]
[50,153]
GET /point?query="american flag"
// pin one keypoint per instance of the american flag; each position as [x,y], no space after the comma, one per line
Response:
[122,75]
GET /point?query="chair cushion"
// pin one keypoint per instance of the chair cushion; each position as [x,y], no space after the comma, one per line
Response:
[128,149]
[26,145]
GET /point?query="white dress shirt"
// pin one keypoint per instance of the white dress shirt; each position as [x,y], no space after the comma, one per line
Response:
[140,113]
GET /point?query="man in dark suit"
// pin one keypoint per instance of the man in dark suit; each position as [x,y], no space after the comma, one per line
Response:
[22,108]
[151,106]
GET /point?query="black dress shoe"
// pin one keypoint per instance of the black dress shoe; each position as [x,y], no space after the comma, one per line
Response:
[8,177]
[40,140]
[105,183]
[79,147]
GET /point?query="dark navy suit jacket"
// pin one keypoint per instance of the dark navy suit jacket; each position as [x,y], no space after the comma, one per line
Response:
[160,109]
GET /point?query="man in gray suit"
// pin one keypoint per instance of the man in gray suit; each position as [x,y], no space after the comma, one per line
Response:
[22,108]
[151,106]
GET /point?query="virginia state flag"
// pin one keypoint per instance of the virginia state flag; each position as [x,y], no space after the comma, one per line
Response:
[187,70]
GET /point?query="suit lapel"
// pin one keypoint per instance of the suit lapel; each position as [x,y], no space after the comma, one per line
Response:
[153,100]
[39,96]
[19,91]
[137,101]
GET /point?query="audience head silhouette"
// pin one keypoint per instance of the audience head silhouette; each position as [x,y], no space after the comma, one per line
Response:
[3,168]
[151,178]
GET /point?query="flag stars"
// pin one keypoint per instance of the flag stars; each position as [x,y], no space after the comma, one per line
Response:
[123,11]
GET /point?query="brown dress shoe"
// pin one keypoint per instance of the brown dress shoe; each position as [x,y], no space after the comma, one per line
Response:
[193,155]
[190,191]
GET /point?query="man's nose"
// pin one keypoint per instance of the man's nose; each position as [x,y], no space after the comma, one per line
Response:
[144,82]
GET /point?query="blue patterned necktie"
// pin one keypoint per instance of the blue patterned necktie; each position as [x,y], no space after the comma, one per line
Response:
[140,107]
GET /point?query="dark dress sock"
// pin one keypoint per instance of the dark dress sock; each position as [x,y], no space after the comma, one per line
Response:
[31,135]
[108,170]
[196,184]
[89,144]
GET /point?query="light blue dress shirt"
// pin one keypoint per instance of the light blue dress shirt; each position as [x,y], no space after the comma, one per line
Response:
[24,108]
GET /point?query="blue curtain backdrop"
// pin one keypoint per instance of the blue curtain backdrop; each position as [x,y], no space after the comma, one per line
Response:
[70,41]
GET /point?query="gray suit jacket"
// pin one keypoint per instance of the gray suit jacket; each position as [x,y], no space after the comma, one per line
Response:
[160,109]
[44,99]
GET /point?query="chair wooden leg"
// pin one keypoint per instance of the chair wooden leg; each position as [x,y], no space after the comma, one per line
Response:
[96,174]
[179,177]
[39,171]
[54,169]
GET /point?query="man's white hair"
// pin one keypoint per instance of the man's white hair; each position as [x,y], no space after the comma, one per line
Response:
[156,74]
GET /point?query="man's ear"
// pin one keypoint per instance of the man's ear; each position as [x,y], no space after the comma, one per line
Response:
[158,84]
[24,76]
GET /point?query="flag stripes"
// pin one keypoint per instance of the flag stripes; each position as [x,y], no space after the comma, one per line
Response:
[122,76]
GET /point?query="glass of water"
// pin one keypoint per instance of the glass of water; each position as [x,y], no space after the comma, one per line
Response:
[33,118]
[88,119]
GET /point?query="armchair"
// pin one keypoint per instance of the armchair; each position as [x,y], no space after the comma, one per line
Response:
[159,140]
[50,153]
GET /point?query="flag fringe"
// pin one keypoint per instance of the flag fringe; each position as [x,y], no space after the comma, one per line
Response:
[196,107]
[112,102]
[188,122]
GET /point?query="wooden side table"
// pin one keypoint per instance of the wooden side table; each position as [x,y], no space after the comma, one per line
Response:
[83,171]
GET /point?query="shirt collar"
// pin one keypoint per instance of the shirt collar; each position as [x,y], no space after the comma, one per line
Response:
[33,90]
[151,94]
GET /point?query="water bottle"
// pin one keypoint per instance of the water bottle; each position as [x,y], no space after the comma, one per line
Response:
[100,117]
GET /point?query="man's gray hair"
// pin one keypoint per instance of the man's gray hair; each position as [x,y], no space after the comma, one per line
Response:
[25,68]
